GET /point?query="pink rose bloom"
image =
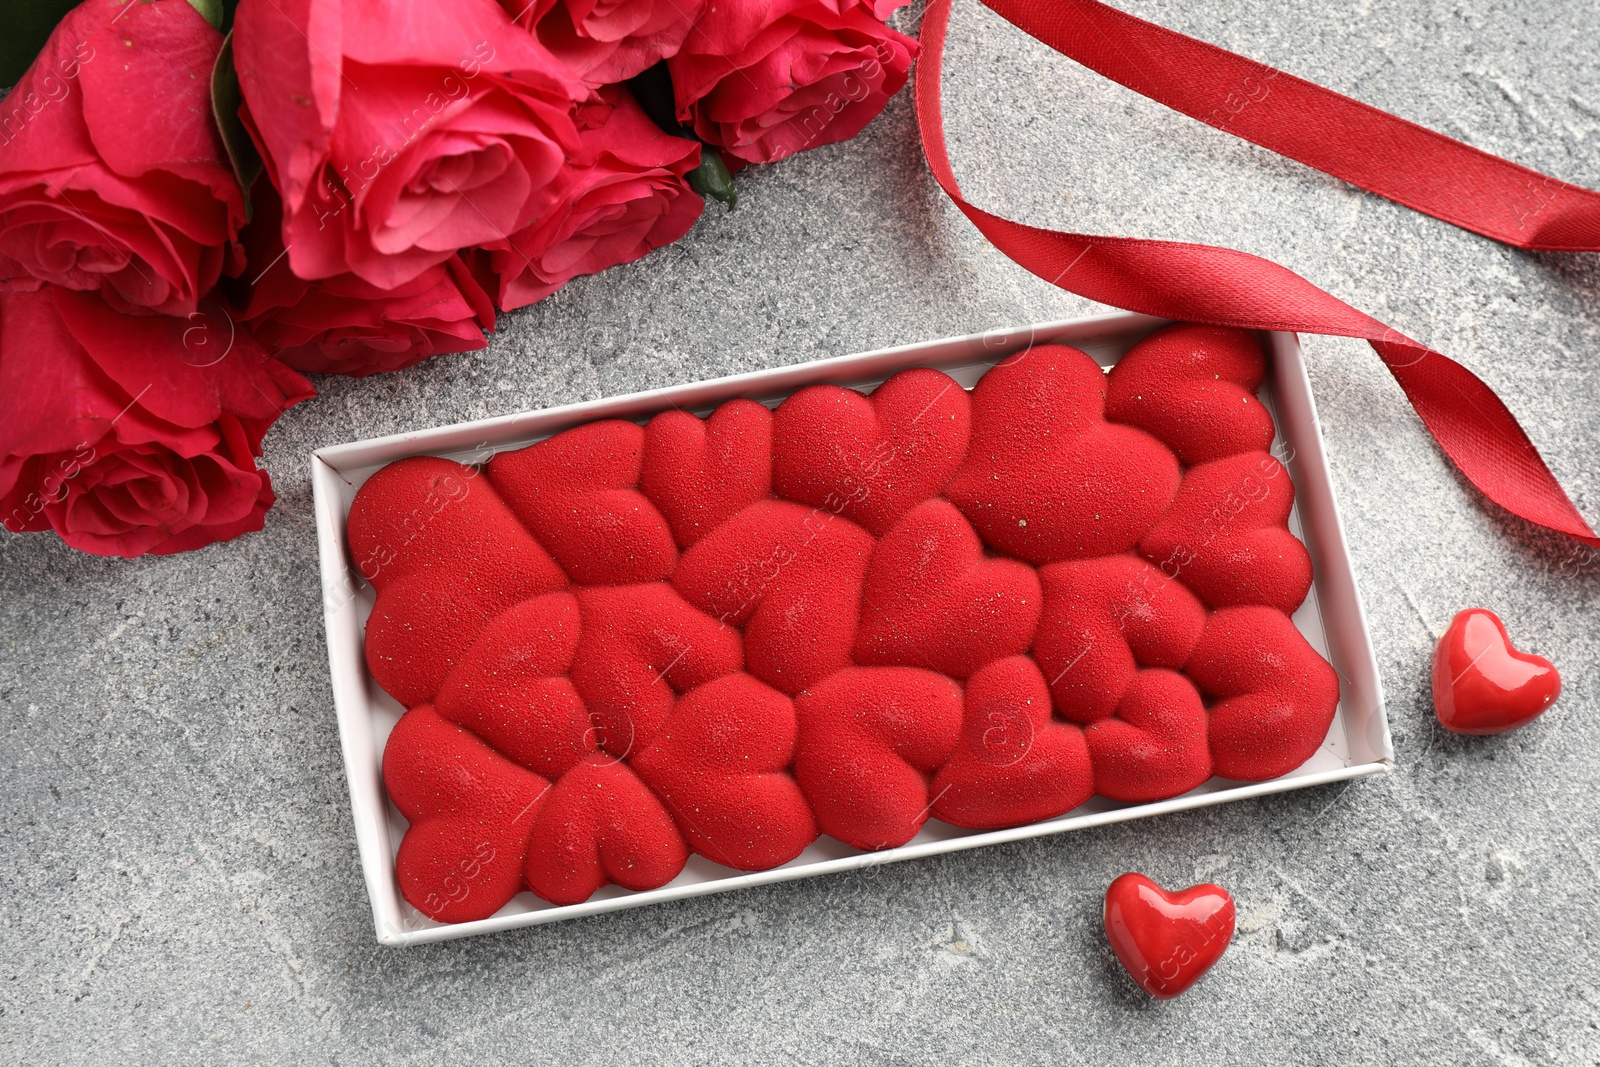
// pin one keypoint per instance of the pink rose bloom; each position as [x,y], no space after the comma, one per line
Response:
[766,80]
[344,325]
[608,41]
[398,131]
[128,435]
[623,195]
[112,176]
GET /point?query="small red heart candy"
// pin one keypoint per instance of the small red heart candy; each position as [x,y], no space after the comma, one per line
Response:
[1482,684]
[1167,940]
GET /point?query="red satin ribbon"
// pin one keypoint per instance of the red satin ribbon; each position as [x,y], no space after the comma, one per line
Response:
[1360,144]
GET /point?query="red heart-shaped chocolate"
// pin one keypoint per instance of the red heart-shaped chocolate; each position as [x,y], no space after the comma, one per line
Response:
[1482,684]
[1167,940]
[446,555]
[578,492]
[1227,536]
[871,459]
[1193,387]
[1014,764]
[1274,696]
[641,646]
[1156,746]
[1047,477]
[1105,618]
[700,472]
[471,811]
[601,824]
[932,600]
[870,737]
[721,764]
[512,689]
[791,577]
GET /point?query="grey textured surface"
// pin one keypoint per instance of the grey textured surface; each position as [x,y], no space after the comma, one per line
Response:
[179,879]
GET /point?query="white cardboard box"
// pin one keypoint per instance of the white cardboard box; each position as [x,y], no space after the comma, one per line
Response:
[1331,619]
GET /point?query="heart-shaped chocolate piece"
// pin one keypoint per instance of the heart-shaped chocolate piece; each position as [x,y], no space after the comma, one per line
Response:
[1047,478]
[601,824]
[446,555]
[641,647]
[1156,745]
[871,459]
[1227,536]
[1105,618]
[1193,388]
[933,600]
[1482,684]
[783,573]
[1014,763]
[578,494]
[1167,940]
[701,472]
[1273,697]
[513,691]
[870,739]
[471,811]
[720,763]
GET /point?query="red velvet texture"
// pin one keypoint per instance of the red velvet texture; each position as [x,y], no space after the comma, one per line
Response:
[724,636]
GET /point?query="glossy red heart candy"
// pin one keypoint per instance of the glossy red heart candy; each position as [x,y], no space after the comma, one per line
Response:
[1482,684]
[1167,940]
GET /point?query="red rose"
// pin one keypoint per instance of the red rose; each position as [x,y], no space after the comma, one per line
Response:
[623,195]
[133,435]
[766,80]
[343,325]
[112,176]
[608,41]
[398,131]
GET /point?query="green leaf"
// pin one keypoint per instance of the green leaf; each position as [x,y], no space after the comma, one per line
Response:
[225,103]
[24,27]
[711,178]
[653,90]
[210,10]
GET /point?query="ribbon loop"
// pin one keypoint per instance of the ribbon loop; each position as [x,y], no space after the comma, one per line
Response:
[1343,137]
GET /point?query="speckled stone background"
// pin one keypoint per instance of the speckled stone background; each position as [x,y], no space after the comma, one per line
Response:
[178,872]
